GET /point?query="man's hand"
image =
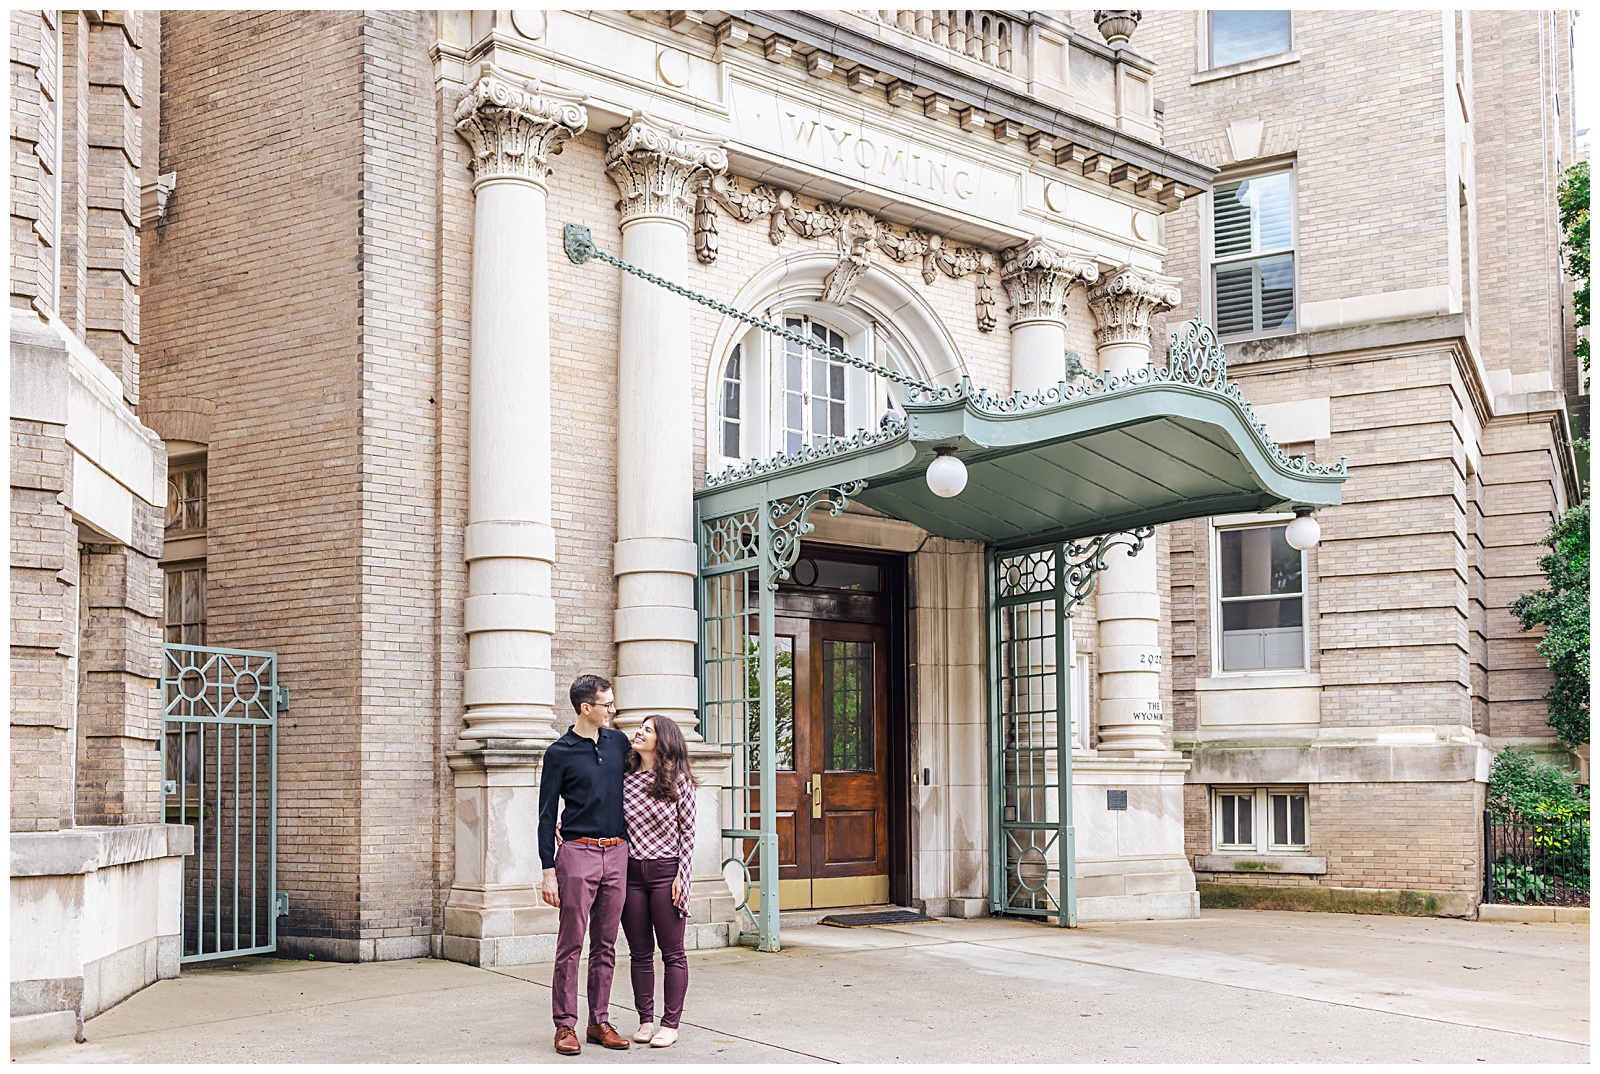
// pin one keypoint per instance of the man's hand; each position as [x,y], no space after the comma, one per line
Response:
[550,890]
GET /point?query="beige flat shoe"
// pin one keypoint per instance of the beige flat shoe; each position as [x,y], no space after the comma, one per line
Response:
[666,1038]
[646,1031]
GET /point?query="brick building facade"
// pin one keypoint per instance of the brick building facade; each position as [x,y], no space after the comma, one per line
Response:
[1431,343]
[357,240]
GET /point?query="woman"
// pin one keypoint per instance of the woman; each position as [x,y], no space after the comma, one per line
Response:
[658,802]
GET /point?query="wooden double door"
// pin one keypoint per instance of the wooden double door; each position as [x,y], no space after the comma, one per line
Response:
[834,781]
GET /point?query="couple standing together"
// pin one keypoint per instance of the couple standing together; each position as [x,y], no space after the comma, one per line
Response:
[626,828]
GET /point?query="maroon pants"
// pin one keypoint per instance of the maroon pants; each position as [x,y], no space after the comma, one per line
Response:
[591,881]
[648,918]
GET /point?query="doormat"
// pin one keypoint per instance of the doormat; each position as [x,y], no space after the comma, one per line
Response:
[876,917]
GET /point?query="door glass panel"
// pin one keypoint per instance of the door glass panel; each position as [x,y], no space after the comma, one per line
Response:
[783,681]
[847,705]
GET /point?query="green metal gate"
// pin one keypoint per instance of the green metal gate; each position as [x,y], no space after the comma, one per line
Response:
[219,762]
[1030,753]
[1032,593]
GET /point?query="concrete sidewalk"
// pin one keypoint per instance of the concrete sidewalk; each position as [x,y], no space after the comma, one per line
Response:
[1234,986]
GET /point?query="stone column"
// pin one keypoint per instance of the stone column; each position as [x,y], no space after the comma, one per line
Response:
[494,915]
[1128,602]
[656,168]
[1037,278]
[513,128]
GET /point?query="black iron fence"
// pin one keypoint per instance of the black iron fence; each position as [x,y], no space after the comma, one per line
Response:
[1544,863]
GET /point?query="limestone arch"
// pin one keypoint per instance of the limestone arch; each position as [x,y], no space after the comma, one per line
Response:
[880,298]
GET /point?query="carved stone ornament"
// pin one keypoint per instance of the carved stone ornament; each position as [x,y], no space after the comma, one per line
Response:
[1037,278]
[860,236]
[514,127]
[1124,300]
[1117,26]
[657,167]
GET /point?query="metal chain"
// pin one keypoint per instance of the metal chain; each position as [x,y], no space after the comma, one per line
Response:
[580,247]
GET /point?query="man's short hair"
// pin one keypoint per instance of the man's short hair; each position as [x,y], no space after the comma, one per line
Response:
[585,688]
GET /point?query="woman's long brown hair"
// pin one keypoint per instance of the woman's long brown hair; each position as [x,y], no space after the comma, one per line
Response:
[672,760]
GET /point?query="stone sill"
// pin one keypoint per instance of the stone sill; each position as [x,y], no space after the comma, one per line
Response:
[75,851]
[1263,680]
[1244,67]
[1258,864]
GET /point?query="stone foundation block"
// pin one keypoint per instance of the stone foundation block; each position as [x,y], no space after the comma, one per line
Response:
[1334,900]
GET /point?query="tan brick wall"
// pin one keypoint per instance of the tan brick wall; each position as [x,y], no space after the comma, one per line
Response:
[1362,113]
[1407,836]
[44,628]
[400,779]
[35,157]
[1408,592]
[253,296]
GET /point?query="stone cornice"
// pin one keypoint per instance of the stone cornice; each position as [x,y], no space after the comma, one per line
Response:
[1123,301]
[656,164]
[514,127]
[1038,277]
[1069,141]
[859,235]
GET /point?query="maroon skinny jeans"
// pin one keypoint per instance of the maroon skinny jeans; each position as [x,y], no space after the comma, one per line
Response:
[650,918]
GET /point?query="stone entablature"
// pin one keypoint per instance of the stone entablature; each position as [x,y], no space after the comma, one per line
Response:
[940,166]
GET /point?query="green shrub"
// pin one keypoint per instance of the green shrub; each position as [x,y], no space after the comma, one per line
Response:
[1517,883]
[1525,786]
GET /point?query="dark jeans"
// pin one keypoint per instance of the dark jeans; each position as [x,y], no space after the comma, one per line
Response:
[591,881]
[648,918]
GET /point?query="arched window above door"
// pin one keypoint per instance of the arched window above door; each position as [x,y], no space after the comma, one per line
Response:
[777,397]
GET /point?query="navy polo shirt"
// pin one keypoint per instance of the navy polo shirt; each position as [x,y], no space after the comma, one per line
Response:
[582,779]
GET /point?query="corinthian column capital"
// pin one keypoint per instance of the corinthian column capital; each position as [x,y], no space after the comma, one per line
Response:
[655,165]
[514,127]
[1123,301]
[1037,278]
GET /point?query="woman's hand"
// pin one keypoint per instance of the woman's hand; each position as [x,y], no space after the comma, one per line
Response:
[677,889]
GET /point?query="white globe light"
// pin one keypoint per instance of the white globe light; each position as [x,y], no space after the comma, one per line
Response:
[947,476]
[1303,533]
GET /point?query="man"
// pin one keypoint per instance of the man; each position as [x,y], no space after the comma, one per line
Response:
[588,879]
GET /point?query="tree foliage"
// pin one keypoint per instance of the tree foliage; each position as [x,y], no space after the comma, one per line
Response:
[1572,198]
[1524,786]
[1562,608]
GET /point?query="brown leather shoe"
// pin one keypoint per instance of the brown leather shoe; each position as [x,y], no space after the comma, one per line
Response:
[567,1040]
[606,1037]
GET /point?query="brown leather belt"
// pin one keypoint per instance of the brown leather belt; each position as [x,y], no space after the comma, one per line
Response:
[587,841]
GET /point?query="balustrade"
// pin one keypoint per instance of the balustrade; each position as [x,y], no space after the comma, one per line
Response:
[986,36]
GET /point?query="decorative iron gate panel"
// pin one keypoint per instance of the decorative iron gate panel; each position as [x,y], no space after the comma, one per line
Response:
[219,757]
[731,714]
[1033,855]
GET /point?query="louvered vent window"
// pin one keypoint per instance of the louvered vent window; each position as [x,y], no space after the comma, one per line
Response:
[1252,227]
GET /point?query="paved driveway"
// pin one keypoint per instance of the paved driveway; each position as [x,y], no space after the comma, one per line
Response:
[1234,986]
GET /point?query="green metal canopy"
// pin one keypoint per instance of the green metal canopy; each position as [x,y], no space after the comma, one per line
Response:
[1157,445]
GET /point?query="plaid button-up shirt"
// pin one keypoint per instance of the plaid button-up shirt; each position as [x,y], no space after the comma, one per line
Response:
[658,829]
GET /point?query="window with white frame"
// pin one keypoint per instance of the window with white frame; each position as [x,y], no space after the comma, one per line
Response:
[1252,254]
[778,397]
[1239,36]
[1261,592]
[1261,820]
